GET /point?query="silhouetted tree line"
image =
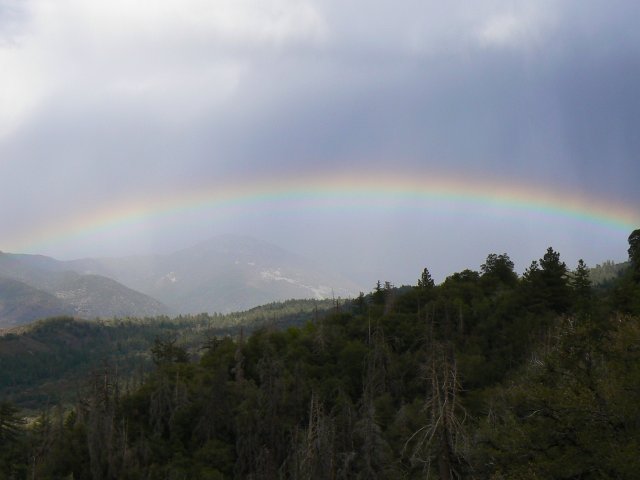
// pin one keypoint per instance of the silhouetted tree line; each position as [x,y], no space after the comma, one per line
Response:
[488,375]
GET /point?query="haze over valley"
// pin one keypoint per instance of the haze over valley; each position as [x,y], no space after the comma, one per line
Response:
[221,275]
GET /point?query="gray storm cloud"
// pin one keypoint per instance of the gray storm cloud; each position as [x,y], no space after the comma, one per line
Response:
[109,99]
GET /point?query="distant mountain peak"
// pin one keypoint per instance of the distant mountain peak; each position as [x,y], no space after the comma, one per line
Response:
[223,273]
[35,286]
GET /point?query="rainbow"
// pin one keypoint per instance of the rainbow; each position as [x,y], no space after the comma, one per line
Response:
[333,191]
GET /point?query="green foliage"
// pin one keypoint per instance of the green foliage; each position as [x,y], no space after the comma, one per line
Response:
[572,413]
[485,376]
[42,363]
[607,272]
[498,270]
[554,282]
[626,293]
[425,281]
[10,423]
[634,248]
[165,351]
[12,442]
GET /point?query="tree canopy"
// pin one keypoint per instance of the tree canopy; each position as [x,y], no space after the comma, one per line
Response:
[485,376]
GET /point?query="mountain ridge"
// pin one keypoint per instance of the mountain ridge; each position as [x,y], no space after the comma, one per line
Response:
[36,286]
[223,274]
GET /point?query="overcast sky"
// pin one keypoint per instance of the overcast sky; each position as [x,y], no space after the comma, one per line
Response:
[105,101]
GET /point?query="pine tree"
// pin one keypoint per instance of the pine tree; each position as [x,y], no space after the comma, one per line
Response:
[554,282]
[582,288]
[12,457]
[634,252]
[10,423]
[425,281]
[498,269]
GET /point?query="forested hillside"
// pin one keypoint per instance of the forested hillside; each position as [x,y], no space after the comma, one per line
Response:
[489,375]
[48,362]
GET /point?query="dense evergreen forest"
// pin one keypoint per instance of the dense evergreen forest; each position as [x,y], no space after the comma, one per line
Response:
[48,362]
[489,375]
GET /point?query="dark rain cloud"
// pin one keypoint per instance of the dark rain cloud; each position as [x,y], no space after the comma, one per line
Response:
[108,107]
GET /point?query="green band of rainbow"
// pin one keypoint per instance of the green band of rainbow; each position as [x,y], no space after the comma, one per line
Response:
[335,191]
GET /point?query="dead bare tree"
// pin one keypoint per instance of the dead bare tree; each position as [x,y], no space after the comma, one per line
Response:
[441,443]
